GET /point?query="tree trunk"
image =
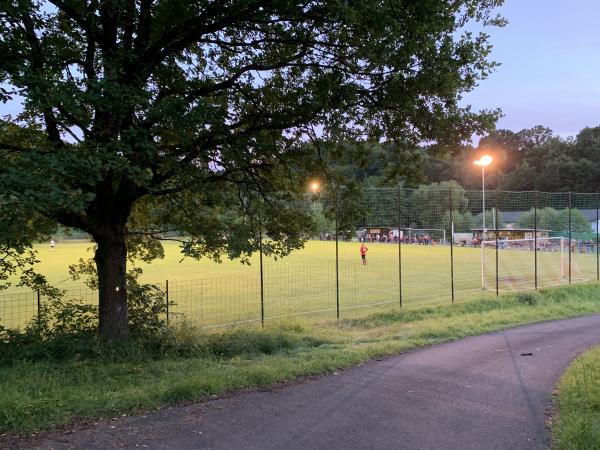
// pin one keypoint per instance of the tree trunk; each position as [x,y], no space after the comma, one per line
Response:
[111,263]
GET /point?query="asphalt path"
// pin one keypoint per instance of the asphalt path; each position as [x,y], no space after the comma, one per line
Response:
[486,392]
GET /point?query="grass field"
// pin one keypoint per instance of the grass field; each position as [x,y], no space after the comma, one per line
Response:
[210,294]
[578,405]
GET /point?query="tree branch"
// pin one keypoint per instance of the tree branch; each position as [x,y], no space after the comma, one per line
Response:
[79,17]
[71,118]
[14,148]
[180,37]
[229,82]
[37,63]
[144,27]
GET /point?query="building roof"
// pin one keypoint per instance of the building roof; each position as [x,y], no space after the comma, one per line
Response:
[509,229]
[506,216]
[514,216]
[590,214]
[510,216]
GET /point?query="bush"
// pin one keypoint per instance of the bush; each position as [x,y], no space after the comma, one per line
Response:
[147,313]
[147,308]
[529,298]
[67,328]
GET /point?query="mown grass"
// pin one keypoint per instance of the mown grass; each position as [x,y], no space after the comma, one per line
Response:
[578,405]
[210,294]
[44,387]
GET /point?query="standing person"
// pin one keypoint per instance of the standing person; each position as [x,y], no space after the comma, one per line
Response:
[52,244]
[363,254]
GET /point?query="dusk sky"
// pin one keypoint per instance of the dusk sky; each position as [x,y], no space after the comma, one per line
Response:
[550,66]
[550,72]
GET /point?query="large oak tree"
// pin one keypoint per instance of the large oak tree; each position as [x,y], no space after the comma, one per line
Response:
[157,114]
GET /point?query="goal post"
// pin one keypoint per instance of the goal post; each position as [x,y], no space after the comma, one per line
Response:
[517,267]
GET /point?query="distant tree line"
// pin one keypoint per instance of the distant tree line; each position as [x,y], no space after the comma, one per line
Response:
[551,219]
[530,159]
[438,205]
[526,160]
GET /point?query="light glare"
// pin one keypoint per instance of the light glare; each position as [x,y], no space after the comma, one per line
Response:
[484,161]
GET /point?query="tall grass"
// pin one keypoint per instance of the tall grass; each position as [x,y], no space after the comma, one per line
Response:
[578,405]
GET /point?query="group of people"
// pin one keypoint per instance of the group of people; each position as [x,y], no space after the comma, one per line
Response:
[377,237]
[331,237]
[475,242]
[588,246]
[421,239]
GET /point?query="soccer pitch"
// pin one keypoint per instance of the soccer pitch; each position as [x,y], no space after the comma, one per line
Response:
[210,294]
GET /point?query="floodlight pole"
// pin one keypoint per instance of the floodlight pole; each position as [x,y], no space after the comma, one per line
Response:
[483,197]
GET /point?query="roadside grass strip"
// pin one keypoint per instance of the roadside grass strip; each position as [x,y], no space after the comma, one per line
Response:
[51,384]
[577,425]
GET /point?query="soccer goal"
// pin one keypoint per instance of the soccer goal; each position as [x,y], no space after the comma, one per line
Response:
[516,261]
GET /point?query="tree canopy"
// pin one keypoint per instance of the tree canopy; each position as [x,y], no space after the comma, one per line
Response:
[431,206]
[556,220]
[141,117]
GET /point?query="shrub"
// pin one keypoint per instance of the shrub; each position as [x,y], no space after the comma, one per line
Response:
[529,298]
[67,328]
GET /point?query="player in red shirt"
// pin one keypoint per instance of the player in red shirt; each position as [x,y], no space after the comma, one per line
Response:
[363,254]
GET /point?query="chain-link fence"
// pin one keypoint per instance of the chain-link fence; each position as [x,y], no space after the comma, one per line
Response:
[421,247]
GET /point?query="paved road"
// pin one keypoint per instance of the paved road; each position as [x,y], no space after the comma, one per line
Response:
[478,393]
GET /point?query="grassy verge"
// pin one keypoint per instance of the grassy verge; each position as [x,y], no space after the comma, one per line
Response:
[47,387]
[578,405]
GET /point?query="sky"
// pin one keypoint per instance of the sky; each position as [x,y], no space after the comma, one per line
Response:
[550,66]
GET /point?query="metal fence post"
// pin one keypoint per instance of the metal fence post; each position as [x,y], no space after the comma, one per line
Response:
[337,264]
[570,206]
[496,233]
[399,248]
[167,297]
[39,306]
[597,220]
[535,232]
[260,263]
[451,247]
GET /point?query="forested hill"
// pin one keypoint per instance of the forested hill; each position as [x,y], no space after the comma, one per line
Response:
[526,160]
[529,159]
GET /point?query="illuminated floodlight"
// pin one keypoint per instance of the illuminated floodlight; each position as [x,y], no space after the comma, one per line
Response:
[484,161]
